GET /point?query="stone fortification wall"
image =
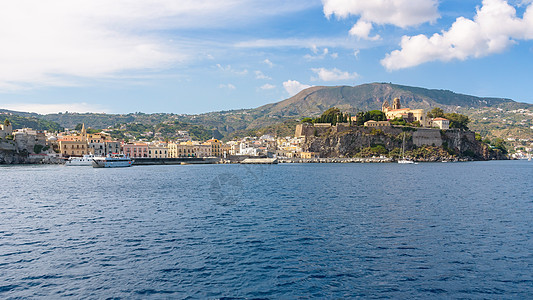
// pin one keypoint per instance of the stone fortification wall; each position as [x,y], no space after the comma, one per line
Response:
[307,130]
[430,137]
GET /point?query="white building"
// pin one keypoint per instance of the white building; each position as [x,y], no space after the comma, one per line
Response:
[442,123]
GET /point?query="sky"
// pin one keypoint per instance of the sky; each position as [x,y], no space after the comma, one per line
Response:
[196,56]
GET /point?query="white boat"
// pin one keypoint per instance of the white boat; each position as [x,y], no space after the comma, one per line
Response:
[86,160]
[112,161]
[405,160]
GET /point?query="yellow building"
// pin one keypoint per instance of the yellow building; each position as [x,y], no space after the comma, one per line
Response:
[216,147]
[373,123]
[410,115]
[188,149]
[309,155]
[72,147]
[157,151]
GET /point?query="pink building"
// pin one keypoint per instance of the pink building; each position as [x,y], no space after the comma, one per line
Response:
[135,150]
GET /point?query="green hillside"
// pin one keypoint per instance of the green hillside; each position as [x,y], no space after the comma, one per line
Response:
[20,121]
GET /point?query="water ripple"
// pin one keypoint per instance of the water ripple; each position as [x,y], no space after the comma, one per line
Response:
[291,231]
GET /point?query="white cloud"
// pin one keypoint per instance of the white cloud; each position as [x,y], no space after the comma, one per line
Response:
[268,86]
[260,75]
[58,42]
[333,75]
[268,62]
[228,68]
[301,43]
[319,54]
[228,86]
[55,108]
[362,29]
[401,13]
[356,53]
[494,29]
[293,87]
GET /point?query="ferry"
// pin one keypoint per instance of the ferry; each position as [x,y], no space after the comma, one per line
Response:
[86,160]
[112,161]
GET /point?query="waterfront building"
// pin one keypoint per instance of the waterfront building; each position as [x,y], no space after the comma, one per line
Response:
[216,147]
[233,147]
[157,151]
[442,123]
[309,155]
[112,147]
[72,147]
[135,150]
[188,149]
[96,144]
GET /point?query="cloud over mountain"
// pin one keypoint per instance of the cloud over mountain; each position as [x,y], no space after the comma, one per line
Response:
[333,74]
[293,87]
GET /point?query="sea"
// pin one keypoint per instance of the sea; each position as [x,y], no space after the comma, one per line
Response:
[286,231]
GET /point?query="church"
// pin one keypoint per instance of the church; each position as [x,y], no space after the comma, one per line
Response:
[409,115]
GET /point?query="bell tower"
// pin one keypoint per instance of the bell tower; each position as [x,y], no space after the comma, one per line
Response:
[385,107]
[396,104]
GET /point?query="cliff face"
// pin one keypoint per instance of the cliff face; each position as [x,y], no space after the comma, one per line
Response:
[420,144]
[8,157]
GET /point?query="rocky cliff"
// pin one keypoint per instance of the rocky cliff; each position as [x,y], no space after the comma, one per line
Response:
[8,157]
[420,144]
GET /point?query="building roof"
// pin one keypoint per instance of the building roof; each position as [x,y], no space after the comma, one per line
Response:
[440,119]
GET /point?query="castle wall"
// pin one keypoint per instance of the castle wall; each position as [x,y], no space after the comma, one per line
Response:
[428,137]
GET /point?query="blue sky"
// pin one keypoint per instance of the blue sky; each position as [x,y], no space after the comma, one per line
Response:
[185,56]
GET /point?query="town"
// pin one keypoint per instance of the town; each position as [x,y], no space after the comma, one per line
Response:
[55,147]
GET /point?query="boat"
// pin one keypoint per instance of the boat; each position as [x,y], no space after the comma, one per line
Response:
[405,160]
[85,160]
[112,161]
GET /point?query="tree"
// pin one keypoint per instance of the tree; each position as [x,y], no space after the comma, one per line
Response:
[307,120]
[78,127]
[458,121]
[436,112]
[6,122]
[332,116]
[499,143]
[376,115]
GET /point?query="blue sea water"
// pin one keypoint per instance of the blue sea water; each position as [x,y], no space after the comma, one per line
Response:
[433,230]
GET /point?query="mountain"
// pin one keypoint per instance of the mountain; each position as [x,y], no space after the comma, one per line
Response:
[315,100]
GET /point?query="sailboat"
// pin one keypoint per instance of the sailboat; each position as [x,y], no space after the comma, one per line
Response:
[404,160]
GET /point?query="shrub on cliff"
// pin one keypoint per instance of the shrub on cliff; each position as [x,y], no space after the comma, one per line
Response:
[374,150]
